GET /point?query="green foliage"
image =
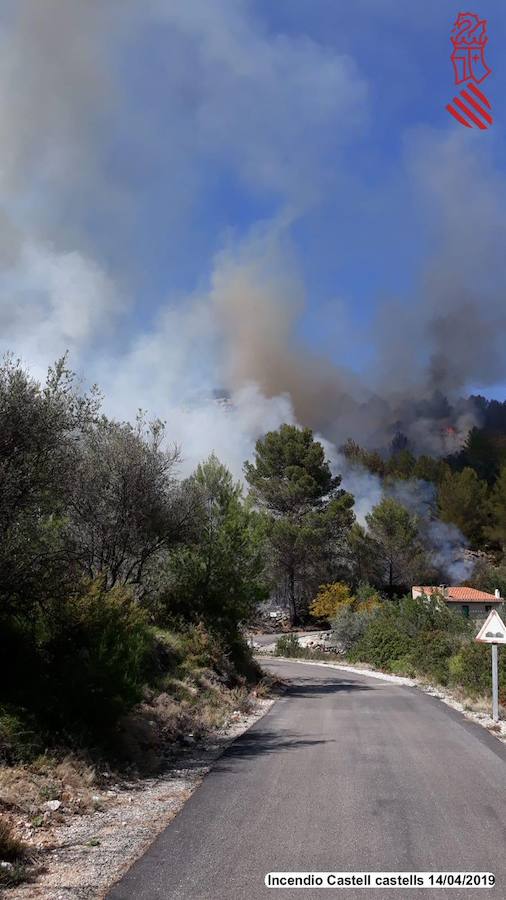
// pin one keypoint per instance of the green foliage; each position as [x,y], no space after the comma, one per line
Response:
[430,655]
[366,595]
[401,464]
[428,614]
[462,500]
[365,562]
[88,507]
[288,645]
[218,578]
[39,426]
[381,644]
[309,515]
[79,663]
[488,577]
[19,736]
[290,471]
[481,454]
[427,468]
[349,625]
[16,875]
[125,506]
[470,669]
[394,534]
[359,456]
[496,531]
[415,635]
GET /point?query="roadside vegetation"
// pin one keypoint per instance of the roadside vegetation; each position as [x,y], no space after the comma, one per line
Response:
[418,638]
[126,590]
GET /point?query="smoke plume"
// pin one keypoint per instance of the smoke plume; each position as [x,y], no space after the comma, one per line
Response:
[93,157]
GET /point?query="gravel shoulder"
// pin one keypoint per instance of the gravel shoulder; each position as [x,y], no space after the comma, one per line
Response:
[81,859]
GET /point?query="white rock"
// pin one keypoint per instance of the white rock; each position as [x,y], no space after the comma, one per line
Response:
[52,805]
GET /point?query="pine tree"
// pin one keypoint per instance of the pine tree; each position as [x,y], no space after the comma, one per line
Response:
[395,536]
[309,514]
[462,500]
[496,531]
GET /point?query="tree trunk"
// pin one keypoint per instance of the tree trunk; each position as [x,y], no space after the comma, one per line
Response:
[294,618]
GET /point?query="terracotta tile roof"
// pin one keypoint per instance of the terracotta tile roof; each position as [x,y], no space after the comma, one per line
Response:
[461,594]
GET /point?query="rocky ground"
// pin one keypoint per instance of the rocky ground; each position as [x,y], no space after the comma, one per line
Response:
[78,856]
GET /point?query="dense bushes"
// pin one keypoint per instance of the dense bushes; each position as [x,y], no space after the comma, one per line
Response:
[471,668]
[349,625]
[381,643]
[413,637]
[430,655]
[100,544]
[78,663]
[421,637]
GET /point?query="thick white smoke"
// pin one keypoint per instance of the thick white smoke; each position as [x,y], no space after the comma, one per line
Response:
[267,109]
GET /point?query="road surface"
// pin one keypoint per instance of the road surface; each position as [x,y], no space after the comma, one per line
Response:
[344,773]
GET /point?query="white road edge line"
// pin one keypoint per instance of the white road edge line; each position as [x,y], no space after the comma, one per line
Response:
[382,676]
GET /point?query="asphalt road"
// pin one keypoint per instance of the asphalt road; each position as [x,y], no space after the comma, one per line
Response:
[344,773]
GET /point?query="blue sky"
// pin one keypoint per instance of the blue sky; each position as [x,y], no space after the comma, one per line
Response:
[361,239]
[145,150]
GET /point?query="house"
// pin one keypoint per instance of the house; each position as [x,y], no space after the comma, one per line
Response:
[470,602]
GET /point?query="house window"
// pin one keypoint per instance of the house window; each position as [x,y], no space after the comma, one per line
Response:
[487,608]
[465,610]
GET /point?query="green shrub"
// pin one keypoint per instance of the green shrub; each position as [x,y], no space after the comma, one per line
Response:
[79,664]
[403,666]
[288,645]
[430,655]
[470,669]
[381,644]
[99,654]
[349,626]
[10,877]
[421,615]
[228,656]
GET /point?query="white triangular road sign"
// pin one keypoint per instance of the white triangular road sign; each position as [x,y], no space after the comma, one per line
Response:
[493,631]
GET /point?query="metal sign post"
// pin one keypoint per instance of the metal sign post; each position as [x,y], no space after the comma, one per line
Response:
[495,684]
[493,632]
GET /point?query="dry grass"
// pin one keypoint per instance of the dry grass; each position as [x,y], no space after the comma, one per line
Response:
[12,855]
[11,847]
[28,787]
[194,707]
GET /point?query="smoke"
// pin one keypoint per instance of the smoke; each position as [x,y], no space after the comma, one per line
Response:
[87,151]
[428,350]
[56,94]
[247,111]
[444,542]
